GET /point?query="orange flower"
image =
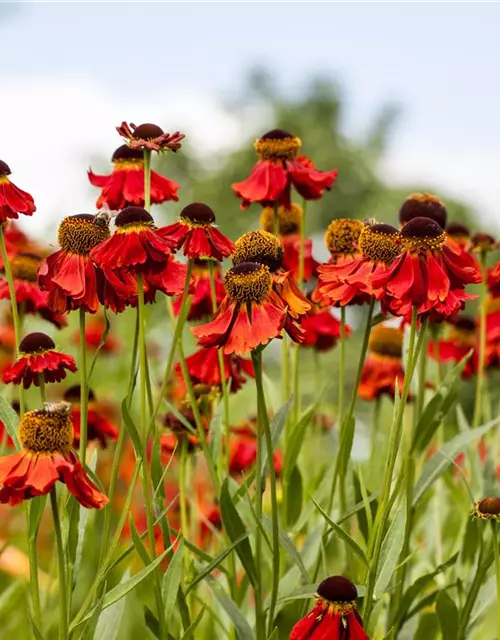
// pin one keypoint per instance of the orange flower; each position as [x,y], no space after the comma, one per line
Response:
[46,457]
[461,339]
[201,298]
[99,426]
[383,368]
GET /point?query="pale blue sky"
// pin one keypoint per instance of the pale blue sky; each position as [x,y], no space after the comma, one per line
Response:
[101,63]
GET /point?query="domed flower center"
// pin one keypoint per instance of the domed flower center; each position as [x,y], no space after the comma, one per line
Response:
[289,220]
[73,394]
[386,341]
[35,343]
[463,331]
[81,233]
[47,430]
[483,242]
[422,234]
[423,205]
[4,169]
[380,243]
[148,131]
[198,214]
[342,235]
[25,266]
[339,592]
[258,246]
[124,157]
[277,145]
[489,506]
[248,282]
[133,219]
[457,230]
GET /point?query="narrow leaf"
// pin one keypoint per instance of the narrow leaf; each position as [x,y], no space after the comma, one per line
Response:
[11,421]
[241,626]
[103,339]
[447,613]
[296,440]
[171,581]
[391,549]
[110,618]
[132,429]
[277,425]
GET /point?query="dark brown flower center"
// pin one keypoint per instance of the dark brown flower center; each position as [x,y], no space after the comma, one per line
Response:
[4,169]
[258,246]
[198,213]
[47,430]
[422,234]
[248,282]
[148,131]
[35,342]
[337,589]
[490,506]
[380,243]
[80,233]
[133,216]
[73,394]
[342,235]
[483,242]
[456,229]
[126,154]
[423,205]
[465,323]
[25,266]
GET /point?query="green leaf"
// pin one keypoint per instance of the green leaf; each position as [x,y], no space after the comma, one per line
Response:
[438,407]
[108,625]
[350,542]
[37,634]
[36,509]
[11,421]
[295,492]
[189,631]
[121,590]
[88,632]
[447,613]
[290,548]
[307,592]
[296,440]
[428,628]
[369,503]
[392,546]
[345,447]
[241,626]
[171,581]
[277,425]
[10,596]
[132,430]
[138,543]
[440,461]
[235,529]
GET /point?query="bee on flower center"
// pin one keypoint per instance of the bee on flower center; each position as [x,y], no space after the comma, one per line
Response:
[82,232]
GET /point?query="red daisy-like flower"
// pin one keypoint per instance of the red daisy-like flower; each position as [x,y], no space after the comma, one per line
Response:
[334,616]
[251,314]
[197,233]
[243,450]
[150,136]
[94,331]
[423,205]
[46,436]
[430,274]
[203,368]
[100,428]
[383,367]
[279,167]
[201,298]
[38,358]
[125,185]
[461,339]
[15,241]
[178,433]
[348,278]
[68,275]
[13,200]
[322,329]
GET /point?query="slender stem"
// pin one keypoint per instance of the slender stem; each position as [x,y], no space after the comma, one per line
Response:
[341,382]
[41,383]
[63,602]
[183,495]
[84,390]
[147,179]
[422,374]
[483,565]
[285,360]
[302,242]
[496,553]
[478,405]
[297,400]
[13,304]
[385,504]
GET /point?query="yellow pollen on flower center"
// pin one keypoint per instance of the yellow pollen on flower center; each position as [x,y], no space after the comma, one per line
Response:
[248,282]
[386,341]
[258,246]
[378,244]
[80,233]
[425,244]
[46,431]
[342,235]
[128,165]
[336,608]
[135,227]
[277,148]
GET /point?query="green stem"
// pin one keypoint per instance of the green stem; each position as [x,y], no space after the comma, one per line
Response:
[41,383]
[147,179]
[263,422]
[385,504]
[478,405]
[302,243]
[13,304]
[422,374]
[341,382]
[84,390]
[183,496]
[496,553]
[483,565]
[63,602]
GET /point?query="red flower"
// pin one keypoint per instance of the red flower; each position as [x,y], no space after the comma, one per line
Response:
[278,169]
[13,200]
[201,300]
[99,426]
[125,185]
[348,278]
[459,233]
[383,368]
[15,240]
[334,616]
[38,358]
[178,432]
[461,340]
[197,233]
[203,368]
[430,274]
[291,257]
[94,331]
[46,457]
[243,450]
[251,314]
[150,136]
[322,330]
[68,275]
